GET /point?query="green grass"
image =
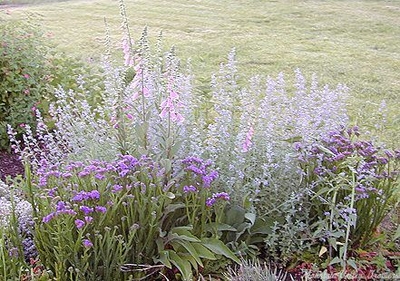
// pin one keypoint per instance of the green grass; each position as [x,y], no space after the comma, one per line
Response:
[352,42]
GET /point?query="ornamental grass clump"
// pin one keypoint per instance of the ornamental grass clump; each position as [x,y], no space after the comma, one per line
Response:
[353,185]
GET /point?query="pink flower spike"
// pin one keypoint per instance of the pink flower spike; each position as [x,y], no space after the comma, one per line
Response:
[247,143]
[27,76]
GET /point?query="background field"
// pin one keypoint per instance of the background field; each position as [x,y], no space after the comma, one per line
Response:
[352,42]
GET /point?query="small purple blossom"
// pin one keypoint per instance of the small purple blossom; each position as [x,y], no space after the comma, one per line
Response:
[116,188]
[100,176]
[100,209]
[88,219]
[86,210]
[210,202]
[87,243]
[222,195]
[79,223]
[216,196]
[190,188]
[60,206]
[94,194]
[52,192]
[48,218]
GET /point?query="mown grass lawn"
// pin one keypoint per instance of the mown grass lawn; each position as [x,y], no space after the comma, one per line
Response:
[351,42]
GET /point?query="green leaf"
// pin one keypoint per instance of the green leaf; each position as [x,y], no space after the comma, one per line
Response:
[218,247]
[219,227]
[192,261]
[182,233]
[164,259]
[189,248]
[183,266]
[397,234]
[235,215]
[352,263]
[203,252]
[262,227]
[335,261]
[251,217]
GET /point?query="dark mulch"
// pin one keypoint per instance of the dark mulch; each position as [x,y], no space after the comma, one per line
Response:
[10,165]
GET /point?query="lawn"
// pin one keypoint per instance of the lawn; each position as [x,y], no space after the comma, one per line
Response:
[351,42]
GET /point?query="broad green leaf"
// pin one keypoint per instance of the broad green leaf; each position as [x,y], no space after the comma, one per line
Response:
[219,227]
[218,247]
[176,229]
[173,207]
[335,261]
[183,266]
[262,227]
[352,263]
[189,248]
[164,259]
[203,252]
[192,261]
[397,234]
[235,215]
[251,217]
[188,237]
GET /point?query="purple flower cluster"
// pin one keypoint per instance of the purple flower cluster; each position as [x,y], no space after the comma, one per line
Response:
[86,195]
[189,189]
[126,164]
[202,169]
[217,196]
[61,208]
[338,146]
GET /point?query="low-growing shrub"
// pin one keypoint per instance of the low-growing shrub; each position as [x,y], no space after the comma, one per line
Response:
[29,72]
[22,75]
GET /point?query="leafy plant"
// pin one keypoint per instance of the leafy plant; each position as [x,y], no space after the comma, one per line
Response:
[352,186]
[22,75]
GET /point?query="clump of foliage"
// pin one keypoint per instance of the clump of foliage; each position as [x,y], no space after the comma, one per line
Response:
[352,187]
[22,75]
[29,71]
[127,174]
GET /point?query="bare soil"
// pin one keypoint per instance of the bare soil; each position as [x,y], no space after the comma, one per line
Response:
[10,165]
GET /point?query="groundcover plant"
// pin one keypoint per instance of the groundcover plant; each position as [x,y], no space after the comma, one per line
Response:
[158,181]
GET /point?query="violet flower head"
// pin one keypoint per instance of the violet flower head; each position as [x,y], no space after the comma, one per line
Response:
[87,243]
[190,188]
[88,219]
[94,195]
[217,196]
[79,223]
[116,188]
[48,218]
[210,202]
[60,206]
[100,209]
[86,210]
